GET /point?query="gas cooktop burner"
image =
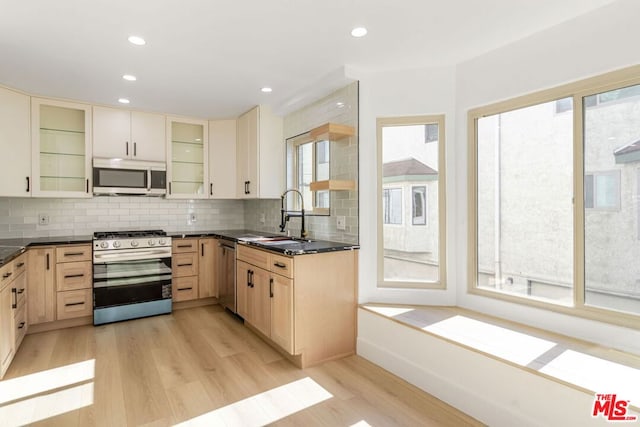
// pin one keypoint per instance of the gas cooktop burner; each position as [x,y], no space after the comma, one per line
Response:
[138,239]
[111,235]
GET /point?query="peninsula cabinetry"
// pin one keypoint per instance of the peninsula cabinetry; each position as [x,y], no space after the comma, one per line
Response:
[61,148]
[259,155]
[305,304]
[15,175]
[128,134]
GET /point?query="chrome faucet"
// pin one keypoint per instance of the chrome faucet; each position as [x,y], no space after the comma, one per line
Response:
[284,215]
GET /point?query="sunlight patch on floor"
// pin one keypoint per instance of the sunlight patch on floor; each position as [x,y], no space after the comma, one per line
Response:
[40,382]
[504,343]
[46,406]
[593,373]
[390,311]
[266,407]
[41,395]
[361,423]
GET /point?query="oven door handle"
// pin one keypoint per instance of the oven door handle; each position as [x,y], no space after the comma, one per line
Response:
[126,255]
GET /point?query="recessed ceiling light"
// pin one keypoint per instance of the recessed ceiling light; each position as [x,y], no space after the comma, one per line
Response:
[137,40]
[359,32]
[340,104]
[266,89]
[123,101]
[130,78]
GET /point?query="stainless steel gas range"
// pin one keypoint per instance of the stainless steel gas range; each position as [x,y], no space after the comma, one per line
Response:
[131,275]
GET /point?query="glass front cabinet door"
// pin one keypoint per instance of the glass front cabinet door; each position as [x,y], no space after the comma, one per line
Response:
[61,147]
[187,158]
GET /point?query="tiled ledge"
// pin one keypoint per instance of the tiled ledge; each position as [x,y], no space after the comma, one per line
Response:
[588,367]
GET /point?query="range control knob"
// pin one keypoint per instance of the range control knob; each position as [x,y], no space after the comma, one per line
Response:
[104,245]
[116,244]
[151,242]
[162,242]
[134,243]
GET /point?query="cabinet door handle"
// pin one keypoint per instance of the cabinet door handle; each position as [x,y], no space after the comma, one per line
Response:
[251,284]
[211,189]
[20,265]
[87,185]
[271,287]
[72,276]
[20,291]
[14,304]
[28,184]
[184,246]
[70,304]
[6,275]
[185,265]
[126,151]
[73,253]
[135,149]
[21,325]
[201,249]
[248,187]
[279,265]
[185,289]
[47,261]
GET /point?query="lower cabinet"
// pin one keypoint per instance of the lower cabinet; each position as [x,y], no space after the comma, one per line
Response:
[41,286]
[193,266]
[282,312]
[74,282]
[13,321]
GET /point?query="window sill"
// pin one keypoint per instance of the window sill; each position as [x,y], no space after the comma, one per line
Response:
[585,366]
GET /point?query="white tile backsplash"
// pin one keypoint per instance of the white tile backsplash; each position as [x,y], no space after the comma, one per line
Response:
[19,216]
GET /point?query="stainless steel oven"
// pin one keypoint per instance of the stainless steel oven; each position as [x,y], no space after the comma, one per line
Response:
[131,275]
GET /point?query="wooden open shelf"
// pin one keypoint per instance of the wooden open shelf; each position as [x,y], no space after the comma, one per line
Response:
[333,184]
[332,132]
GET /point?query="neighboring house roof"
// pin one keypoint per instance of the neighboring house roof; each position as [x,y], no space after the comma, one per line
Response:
[629,153]
[406,167]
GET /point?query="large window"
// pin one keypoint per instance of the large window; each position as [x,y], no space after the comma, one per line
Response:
[411,189]
[531,239]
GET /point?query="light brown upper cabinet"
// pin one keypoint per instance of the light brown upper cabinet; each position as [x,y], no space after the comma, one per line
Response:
[128,134]
[259,155]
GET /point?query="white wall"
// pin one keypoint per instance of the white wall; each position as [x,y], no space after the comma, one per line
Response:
[591,44]
[400,93]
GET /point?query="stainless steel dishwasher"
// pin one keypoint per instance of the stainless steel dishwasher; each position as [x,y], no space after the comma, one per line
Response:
[227,274]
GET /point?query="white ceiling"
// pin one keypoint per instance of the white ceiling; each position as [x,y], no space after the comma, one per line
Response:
[209,58]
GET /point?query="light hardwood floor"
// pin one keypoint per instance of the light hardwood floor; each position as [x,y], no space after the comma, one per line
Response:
[166,370]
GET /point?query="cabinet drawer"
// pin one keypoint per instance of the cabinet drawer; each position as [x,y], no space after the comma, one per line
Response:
[184,245]
[184,288]
[282,265]
[73,253]
[20,265]
[6,274]
[74,275]
[253,256]
[20,286]
[73,304]
[184,265]
[20,323]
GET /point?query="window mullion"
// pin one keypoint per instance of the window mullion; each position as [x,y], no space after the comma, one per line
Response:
[578,202]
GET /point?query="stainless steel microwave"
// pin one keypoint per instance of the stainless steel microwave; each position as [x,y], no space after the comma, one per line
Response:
[129,177]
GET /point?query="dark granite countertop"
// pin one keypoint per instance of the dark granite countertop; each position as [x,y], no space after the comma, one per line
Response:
[11,248]
[286,246]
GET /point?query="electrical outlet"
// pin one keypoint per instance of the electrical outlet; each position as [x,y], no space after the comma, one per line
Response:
[192,218]
[341,223]
[43,219]
[263,218]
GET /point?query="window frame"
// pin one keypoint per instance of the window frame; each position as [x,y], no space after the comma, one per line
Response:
[293,203]
[382,122]
[577,90]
